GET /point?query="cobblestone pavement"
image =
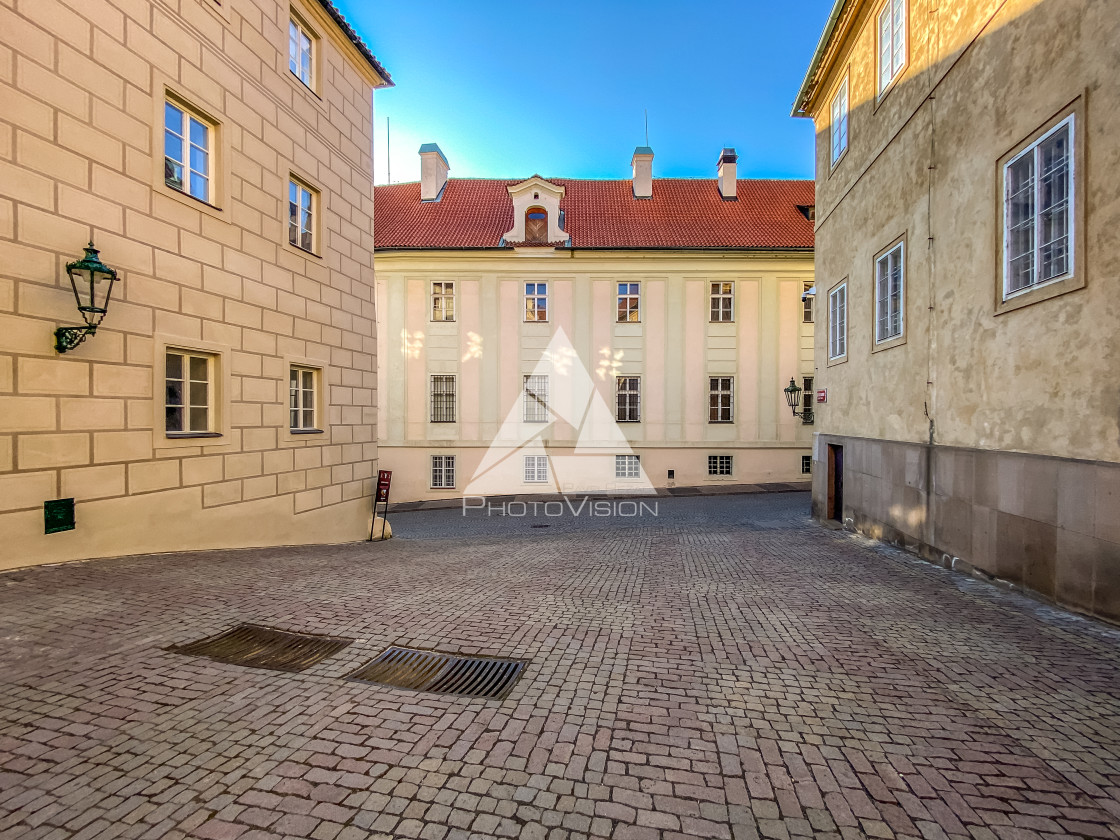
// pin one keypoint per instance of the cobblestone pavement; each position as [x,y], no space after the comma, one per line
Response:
[724,670]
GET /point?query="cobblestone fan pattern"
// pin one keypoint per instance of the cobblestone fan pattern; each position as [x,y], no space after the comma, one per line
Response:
[724,670]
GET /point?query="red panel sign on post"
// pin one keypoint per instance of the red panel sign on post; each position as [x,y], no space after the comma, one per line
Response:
[384,480]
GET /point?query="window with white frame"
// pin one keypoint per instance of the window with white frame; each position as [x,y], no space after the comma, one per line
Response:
[1038,195]
[889,281]
[536,469]
[629,399]
[807,401]
[627,466]
[723,299]
[443,398]
[302,402]
[719,465]
[629,303]
[721,399]
[807,304]
[187,145]
[892,42]
[443,472]
[189,392]
[536,399]
[536,301]
[301,46]
[806,464]
[838,322]
[443,301]
[302,201]
[839,128]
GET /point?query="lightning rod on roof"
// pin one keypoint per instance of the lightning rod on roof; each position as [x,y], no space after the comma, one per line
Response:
[388,160]
[646,112]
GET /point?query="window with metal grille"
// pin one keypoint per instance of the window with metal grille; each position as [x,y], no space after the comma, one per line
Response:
[723,297]
[807,304]
[889,278]
[721,399]
[301,215]
[892,42]
[719,465]
[627,466]
[629,399]
[443,471]
[301,44]
[1038,220]
[806,464]
[536,468]
[839,129]
[535,397]
[536,301]
[189,392]
[302,409]
[807,401]
[838,322]
[443,301]
[629,300]
[186,151]
[443,398]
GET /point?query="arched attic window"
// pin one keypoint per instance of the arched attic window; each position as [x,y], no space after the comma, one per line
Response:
[536,225]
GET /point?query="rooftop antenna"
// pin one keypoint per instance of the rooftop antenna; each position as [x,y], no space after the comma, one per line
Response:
[388,159]
[646,111]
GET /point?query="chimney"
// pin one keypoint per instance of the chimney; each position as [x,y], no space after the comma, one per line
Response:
[726,174]
[642,162]
[433,172]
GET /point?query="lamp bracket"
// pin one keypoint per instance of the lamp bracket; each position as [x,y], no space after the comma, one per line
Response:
[67,338]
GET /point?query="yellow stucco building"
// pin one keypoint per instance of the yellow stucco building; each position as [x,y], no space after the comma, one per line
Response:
[219,156]
[967,261]
[649,323]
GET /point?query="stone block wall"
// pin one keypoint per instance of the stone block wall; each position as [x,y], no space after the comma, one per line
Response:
[84,84]
[1047,524]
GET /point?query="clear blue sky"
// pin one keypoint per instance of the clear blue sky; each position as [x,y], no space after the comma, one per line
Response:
[508,89]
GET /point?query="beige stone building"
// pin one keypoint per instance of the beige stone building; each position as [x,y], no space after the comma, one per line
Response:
[218,154]
[968,261]
[557,335]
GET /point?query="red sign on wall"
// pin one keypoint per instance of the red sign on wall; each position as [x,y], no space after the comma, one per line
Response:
[384,479]
[822,395]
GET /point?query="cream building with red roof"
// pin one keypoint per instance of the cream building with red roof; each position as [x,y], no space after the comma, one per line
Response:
[560,335]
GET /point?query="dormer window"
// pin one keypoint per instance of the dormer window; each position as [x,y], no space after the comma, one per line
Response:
[536,225]
[537,217]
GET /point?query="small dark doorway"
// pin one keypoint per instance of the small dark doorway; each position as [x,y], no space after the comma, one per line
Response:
[836,482]
[536,225]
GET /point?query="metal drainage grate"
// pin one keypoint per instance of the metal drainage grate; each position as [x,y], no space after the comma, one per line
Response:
[263,647]
[442,673]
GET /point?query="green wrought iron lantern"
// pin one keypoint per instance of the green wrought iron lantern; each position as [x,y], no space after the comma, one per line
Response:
[92,281]
[793,399]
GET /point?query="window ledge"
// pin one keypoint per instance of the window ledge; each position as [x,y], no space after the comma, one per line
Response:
[182,435]
[1041,292]
[305,431]
[888,343]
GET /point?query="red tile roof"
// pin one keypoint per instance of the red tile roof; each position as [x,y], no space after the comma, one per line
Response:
[683,213]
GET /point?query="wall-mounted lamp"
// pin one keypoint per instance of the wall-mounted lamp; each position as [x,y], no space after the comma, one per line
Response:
[793,399]
[93,284]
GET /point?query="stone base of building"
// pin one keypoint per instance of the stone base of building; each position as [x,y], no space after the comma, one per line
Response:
[494,471]
[1050,525]
[176,520]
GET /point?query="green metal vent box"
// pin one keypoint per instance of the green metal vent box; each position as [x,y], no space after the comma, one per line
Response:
[58,515]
